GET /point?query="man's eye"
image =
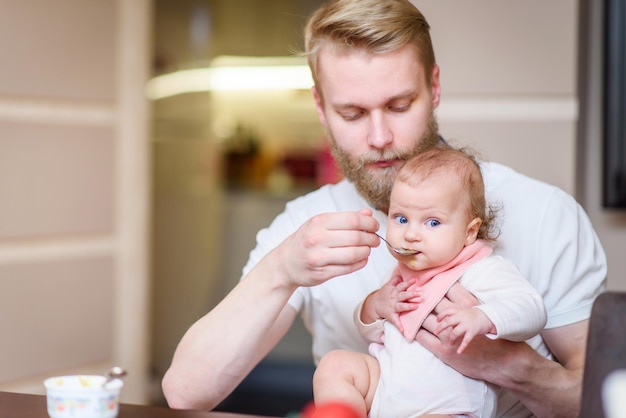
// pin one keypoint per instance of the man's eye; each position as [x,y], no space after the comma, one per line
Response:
[399,108]
[433,223]
[351,115]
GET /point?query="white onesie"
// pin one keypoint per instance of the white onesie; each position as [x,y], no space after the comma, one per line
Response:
[414,382]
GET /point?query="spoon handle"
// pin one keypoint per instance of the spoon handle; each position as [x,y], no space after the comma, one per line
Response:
[114,373]
[400,251]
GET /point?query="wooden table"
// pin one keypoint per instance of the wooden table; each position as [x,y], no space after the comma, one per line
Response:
[20,405]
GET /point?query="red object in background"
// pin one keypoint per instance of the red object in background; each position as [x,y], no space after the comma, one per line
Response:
[330,410]
[327,170]
[301,167]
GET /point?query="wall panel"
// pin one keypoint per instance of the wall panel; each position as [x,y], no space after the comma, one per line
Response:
[505,47]
[55,314]
[62,49]
[541,149]
[73,191]
[55,179]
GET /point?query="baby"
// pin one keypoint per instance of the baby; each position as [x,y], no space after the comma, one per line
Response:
[437,209]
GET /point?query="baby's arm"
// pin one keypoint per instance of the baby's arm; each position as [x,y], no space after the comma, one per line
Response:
[466,323]
[509,308]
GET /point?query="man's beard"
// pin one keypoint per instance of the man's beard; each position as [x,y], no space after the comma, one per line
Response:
[375,184]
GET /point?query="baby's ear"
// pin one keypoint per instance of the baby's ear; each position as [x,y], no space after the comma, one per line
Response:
[472,231]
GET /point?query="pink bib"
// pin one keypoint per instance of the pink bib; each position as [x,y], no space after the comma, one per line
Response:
[435,283]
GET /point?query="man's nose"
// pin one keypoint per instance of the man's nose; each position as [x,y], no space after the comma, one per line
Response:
[380,135]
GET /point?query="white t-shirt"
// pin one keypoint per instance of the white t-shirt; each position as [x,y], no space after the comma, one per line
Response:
[542,229]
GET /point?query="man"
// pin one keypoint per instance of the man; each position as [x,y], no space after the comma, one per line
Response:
[376,89]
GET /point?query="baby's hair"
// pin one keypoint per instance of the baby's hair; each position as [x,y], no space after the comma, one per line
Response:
[462,163]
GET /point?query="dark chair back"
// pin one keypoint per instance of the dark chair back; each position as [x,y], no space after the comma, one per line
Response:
[606,349]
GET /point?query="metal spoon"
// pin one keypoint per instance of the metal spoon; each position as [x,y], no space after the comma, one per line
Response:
[114,373]
[399,251]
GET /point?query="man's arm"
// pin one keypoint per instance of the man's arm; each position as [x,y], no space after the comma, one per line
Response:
[222,347]
[553,388]
[548,388]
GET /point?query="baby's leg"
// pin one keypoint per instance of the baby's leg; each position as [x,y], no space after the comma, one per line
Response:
[347,377]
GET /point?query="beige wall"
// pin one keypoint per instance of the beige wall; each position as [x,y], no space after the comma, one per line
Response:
[74,187]
[508,74]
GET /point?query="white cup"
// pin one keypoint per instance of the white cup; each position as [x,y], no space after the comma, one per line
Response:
[82,396]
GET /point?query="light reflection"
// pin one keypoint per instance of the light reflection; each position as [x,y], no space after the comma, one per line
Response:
[234,74]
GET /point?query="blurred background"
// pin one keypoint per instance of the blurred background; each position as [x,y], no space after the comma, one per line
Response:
[133,178]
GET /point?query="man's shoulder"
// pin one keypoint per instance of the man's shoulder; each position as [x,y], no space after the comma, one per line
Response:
[498,176]
[502,183]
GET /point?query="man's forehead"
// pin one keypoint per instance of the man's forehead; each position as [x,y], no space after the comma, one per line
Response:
[330,54]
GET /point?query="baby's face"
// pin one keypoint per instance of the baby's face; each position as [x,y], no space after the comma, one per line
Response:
[431,217]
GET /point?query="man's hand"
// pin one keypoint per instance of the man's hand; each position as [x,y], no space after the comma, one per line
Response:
[445,345]
[326,246]
[480,359]
[548,388]
[206,369]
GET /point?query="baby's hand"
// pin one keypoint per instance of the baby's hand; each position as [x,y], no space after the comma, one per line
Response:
[393,298]
[466,323]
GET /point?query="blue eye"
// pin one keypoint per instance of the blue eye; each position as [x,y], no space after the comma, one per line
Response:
[401,219]
[433,223]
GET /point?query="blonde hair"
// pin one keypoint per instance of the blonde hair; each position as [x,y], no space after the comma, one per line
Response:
[371,26]
[461,163]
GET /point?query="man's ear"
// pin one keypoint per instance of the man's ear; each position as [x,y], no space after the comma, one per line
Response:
[435,86]
[319,106]
[472,231]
